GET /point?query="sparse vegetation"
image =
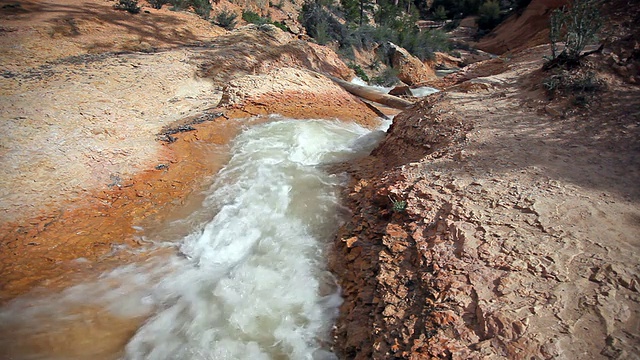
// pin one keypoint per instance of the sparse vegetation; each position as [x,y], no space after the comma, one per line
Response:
[226,19]
[574,28]
[359,71]
[253,18]
[388,77]
[398,205]
[157,4]
[202,8]
[128,5]
[489,15]
[581,86]
[279,5]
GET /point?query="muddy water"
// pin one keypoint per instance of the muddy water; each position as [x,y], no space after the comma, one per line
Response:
[248,281]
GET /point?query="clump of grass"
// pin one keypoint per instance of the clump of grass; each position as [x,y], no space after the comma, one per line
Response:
[226,19]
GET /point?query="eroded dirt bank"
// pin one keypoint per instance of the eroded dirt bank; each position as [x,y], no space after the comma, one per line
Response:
[493,223]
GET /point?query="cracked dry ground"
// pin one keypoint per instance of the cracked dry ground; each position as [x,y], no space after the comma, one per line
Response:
[520,236]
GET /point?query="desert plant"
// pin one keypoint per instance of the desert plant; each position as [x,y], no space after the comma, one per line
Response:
[226,19]
[398,205]
[388,77]
[578,84]
[440,13]
[157,4]
[279,5]
[575,27]
[253,18]
[359,72]
[489,15]
[202,8]
[281,26]
[128,5]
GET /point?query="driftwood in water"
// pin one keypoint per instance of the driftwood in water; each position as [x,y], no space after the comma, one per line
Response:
[372,95]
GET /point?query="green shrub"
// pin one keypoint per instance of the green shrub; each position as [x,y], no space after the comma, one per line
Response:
[279,5]
[202,8]
[388,77]
[253,18]
[576,84]
[281,26]
[359,72]
[440,13]
[157,4]
[128,5]
[399,205]
[575,27]
[489,15]
[226,19]
[322,25]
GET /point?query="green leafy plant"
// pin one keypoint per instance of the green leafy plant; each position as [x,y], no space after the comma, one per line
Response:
[489,15]
[574,27]
[359,72]
[580,85]
[178,5]
[398,205]
[281,26]
[226,19]
[202,8]
[128,5]
[253,18]
[440,13]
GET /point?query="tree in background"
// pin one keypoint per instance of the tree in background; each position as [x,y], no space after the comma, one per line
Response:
[489,15]
[356,10]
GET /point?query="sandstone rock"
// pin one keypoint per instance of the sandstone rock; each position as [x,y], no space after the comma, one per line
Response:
[410,69]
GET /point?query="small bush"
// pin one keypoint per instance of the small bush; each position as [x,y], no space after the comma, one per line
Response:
[226,19]
[489,15]
[576,84]
[388,77]
[253,18]
[575,27]
[279,5]
[399,205]
[359,72]
[157,4]
[281,26]
[322,25]
[128,5]
[440,13]
[202,8]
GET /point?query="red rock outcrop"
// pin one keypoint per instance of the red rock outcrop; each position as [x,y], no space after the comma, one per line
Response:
[411,70]
[518,32]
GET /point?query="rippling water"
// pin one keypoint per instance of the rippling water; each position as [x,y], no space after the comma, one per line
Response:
[249,283]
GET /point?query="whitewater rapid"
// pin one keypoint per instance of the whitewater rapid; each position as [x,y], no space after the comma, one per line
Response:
[250,282]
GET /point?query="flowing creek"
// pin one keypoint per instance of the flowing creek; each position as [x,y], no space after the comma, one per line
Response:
[248,282]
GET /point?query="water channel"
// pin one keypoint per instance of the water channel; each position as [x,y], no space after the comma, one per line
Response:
[248,281]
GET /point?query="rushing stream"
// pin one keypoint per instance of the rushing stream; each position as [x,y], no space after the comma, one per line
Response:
[248,283]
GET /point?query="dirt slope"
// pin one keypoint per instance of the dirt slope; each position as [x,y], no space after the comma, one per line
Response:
[521,31]
[519,235]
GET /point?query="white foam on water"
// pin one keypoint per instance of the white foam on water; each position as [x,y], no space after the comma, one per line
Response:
[250,283]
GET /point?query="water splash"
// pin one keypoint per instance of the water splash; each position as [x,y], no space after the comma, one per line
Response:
[250,283]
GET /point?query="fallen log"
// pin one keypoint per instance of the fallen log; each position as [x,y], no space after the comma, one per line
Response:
[369,94]
[372,95]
